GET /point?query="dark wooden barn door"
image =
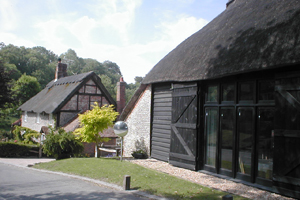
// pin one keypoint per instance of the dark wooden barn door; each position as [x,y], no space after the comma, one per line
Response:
[287,133]
[184,126]
[161,120]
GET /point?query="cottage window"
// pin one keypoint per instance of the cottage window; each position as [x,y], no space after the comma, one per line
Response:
[38,118]
[25,116]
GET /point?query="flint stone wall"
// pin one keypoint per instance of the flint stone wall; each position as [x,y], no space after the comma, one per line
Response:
[138,121]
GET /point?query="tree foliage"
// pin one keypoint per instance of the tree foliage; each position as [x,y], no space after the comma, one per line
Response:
[4,88]
[26,135]
[25,88]
[95,121]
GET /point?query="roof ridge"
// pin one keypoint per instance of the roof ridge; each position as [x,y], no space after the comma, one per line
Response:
[69,79]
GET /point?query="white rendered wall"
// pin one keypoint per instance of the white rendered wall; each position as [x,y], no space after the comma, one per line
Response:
[31,121]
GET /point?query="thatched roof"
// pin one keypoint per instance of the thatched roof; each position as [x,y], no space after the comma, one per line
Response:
[249,35]
[56,94]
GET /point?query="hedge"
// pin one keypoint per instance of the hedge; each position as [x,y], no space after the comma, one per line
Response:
[15,150]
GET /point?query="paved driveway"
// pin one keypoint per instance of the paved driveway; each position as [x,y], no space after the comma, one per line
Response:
[24,183]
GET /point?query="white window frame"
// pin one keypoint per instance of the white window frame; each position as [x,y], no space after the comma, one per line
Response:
[25,116]
[38,118]
[50,119]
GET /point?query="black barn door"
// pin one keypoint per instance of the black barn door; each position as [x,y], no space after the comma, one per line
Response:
[287,135]
[184,126]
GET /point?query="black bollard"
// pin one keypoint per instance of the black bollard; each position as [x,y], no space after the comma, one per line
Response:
[126,182]
[227,197]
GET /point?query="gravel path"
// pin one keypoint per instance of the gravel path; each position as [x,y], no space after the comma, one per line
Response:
[208,180]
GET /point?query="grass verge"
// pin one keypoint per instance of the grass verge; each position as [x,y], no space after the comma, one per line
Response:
[143,179]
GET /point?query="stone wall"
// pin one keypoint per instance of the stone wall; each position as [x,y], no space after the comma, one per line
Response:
[31,121]
[138,122]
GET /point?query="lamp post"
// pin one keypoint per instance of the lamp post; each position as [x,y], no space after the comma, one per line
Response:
[121,129]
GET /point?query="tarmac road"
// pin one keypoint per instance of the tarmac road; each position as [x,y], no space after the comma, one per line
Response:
[23,183]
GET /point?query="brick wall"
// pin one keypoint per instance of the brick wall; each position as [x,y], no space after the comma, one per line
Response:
[138,122]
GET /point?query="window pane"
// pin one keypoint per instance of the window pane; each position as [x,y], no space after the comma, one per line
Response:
[266,90]
[245,128]
[227,128]
[246,91]
[211,136]
[212,95]
[228,93]
[265,136]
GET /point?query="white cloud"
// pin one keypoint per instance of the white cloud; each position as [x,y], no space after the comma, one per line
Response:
[8,19]
[116,15]
[181,29]
[9,38]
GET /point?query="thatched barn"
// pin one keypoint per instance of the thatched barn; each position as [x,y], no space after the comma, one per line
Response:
[226,100]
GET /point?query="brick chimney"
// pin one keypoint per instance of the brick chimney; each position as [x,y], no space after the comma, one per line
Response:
[121,98]
[61,70]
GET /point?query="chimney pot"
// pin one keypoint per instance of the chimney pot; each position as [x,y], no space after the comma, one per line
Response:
[61,70]
[229,2]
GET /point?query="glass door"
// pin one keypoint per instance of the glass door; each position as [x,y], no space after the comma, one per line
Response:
[211,130]
[245,135]
[265,135]
[227,121]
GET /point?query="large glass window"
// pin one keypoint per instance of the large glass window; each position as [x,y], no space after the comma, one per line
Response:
[266,90]
[211,136]
[246,91]
[227,131]
[212,94]
[245,135]
[228,92]
[265,142]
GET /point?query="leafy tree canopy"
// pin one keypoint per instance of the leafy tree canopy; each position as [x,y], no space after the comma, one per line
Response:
[95,121]
[25,88]
[4,90]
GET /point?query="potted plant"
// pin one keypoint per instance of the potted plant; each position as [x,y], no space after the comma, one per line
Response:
[139,154]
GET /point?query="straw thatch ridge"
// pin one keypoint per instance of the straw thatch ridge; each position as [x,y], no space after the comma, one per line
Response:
[249,35]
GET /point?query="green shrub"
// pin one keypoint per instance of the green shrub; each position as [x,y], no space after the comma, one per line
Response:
[13,150]
[26,135]
[61,144]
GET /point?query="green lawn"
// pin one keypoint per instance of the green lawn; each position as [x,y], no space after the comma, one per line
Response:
[143,179]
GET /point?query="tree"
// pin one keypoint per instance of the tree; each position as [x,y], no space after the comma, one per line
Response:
[75,63]
[4,89]
[25,88]
[95,121]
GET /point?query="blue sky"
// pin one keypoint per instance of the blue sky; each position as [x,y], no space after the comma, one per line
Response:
[135,34]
